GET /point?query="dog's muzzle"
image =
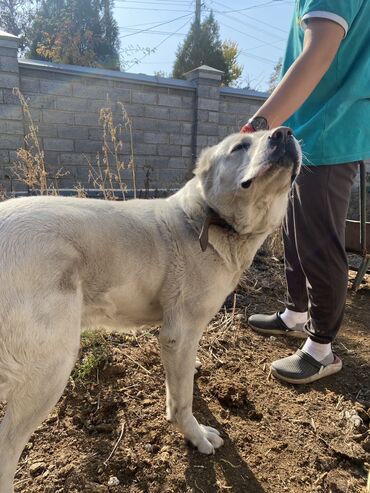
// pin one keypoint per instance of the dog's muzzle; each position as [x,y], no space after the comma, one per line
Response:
[283,150]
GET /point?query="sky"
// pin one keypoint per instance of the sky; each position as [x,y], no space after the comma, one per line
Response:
[260,27]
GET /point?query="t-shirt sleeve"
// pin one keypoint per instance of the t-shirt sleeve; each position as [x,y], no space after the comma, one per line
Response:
[342,12]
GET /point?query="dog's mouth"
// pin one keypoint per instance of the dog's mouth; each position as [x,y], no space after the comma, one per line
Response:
[281,153]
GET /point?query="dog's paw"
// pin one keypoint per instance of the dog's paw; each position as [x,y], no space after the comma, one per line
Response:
[210,441]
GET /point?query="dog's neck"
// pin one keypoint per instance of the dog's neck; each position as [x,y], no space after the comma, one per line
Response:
[214,230]
[212,218]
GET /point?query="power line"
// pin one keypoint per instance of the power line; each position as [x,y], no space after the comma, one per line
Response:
[272,44]
[158,45]
[153,27]
[271,26]
[135,31]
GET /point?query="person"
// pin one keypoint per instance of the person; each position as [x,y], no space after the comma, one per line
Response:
[324,96]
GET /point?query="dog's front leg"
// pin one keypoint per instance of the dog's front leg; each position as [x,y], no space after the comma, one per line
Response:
[178,350]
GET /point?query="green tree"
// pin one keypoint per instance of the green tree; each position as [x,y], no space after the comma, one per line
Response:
[16,17]
[203,46]
[77,32]
[275,76]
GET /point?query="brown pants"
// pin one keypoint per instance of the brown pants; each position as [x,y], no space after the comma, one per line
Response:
[314,240]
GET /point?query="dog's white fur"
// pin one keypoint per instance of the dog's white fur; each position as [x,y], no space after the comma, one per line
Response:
[68,263]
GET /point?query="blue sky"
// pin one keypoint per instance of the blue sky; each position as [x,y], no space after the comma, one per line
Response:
[260,27]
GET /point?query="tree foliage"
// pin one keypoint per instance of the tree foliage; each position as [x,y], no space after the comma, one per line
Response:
[77,32]
[16,17]
[275,76]
[203,46]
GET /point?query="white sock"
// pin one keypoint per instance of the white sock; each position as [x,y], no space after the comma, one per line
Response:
[317,350]
[291,318]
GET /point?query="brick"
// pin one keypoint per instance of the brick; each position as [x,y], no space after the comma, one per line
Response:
[10,112]
[4,157]
[208,128]
[41,101]
[56,116]
[15,127]
[169,150]
[144,97]
[177,163]
[70,132]
[70,103]
[188,101]
[11,141]
[228,119]
[181,114]
[187,128]
[180,139]
[9,97]
[168,100]
[156,138]
[8,64]
[134,110]
[47,130]
[93,92]
[86,119]
[11,52]
[56,87]
[29,84]
[51,158]
[121,94]
[156,112]
[213,116]
[95,133]
[9,80]
[58,144]
[88,146]
[207,104]
[186,151]
[146,149]
[67,158]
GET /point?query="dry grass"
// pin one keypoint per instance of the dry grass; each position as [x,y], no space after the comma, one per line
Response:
[105,174]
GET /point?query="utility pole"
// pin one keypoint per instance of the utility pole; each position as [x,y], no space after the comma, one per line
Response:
[198,8]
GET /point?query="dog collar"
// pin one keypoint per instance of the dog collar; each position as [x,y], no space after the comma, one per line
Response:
[212,218]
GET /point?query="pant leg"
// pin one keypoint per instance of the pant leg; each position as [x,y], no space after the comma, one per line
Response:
[321,202]
[297,296]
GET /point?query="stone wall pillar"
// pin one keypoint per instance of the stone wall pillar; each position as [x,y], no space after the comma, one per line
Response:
[11,118]
[207,102]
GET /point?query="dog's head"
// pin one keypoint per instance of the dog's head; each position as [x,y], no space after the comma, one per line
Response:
[246,178]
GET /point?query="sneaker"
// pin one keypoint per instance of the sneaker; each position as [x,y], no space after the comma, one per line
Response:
[272,325]
[302,368]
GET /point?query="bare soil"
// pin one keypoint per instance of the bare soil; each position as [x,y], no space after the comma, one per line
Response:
[278,438]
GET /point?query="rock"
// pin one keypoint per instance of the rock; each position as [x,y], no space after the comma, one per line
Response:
[113,481]
[148,447]
[95,488]
[37,468]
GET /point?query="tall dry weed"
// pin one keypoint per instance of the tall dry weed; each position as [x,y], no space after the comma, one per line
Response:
[106,174]
[30,166]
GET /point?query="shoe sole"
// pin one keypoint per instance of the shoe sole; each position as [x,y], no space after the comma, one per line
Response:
[325,372]
[299,334]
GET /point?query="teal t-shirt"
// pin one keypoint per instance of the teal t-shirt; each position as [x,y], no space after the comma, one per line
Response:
[334,122]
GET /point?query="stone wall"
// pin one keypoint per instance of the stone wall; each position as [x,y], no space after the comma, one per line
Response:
[172,120]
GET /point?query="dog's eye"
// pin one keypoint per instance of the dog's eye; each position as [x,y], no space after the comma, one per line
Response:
[244,146]
[246,184]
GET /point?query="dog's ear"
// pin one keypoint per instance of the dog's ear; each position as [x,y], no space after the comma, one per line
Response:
[205,160]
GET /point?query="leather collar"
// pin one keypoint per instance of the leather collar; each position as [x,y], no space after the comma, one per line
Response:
[212,218]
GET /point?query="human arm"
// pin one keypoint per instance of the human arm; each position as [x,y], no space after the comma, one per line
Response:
[322,39]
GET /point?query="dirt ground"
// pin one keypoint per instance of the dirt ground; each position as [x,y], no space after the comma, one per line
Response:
[278,438]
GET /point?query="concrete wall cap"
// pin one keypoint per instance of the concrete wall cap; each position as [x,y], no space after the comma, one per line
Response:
[247,93]
[8,36]
[105,74]
[204,71]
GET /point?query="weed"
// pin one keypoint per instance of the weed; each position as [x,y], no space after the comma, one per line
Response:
[95,354]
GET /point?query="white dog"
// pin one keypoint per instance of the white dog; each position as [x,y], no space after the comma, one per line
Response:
[69,263]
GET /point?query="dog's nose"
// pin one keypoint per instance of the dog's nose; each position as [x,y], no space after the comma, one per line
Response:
[281,135]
